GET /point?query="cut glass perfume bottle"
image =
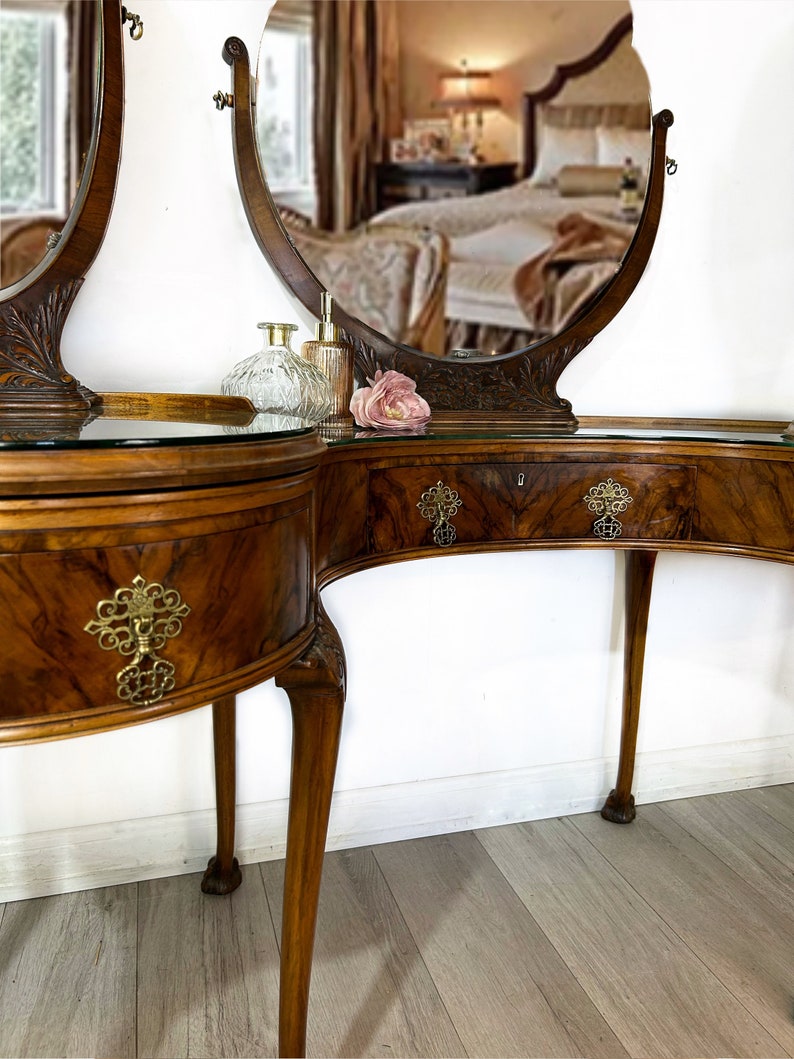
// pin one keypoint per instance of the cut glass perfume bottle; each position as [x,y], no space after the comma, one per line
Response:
[279,381]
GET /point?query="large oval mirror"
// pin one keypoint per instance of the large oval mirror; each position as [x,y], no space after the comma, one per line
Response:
[48,73]
[478,184]
[463,177]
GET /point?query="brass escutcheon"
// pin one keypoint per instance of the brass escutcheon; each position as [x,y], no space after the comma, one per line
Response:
[138,621]
[608,499]
[439,504]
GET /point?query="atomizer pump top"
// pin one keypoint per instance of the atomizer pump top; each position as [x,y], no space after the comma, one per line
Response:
[326,330]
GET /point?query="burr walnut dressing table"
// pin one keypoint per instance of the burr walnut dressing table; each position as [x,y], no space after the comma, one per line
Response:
[159,553]
[505,464]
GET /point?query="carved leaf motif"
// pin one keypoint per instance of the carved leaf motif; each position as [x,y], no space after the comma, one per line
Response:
[451,388]
[546,368]
[526,385]
[323,662]
[487,388]
[366,360]
[30,342]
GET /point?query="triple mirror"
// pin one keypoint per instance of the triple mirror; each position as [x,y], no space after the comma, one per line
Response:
[477,184]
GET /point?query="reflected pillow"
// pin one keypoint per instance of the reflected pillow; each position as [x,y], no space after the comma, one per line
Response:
[616,144]
[560,147]
[589,180]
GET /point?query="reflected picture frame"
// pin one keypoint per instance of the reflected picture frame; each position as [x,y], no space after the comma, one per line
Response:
[431,136]
[402,150]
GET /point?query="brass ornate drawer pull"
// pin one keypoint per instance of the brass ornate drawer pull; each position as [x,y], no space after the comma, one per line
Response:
[439,504]
[608,499]
[138,621]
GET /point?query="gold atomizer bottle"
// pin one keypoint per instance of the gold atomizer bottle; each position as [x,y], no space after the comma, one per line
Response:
[335,359]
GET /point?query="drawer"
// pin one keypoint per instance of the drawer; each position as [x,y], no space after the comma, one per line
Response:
[234,598]
[527,502]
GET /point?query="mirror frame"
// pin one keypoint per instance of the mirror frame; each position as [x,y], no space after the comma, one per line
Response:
[518,387]
[35,387]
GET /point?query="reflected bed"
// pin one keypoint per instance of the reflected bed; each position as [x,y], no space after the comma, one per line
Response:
[523,261]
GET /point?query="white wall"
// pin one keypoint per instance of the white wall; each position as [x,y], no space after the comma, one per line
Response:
[482,688]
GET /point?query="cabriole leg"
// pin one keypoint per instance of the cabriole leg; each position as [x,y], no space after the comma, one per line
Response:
[619,806]
[315,685]
[223,872]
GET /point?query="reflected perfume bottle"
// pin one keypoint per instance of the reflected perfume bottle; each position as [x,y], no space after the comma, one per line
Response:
[334,358]
[279,381]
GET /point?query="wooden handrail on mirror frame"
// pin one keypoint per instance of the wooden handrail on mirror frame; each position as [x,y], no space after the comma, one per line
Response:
[512,387]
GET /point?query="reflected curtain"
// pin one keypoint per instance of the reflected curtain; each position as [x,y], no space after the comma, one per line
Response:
[356,105]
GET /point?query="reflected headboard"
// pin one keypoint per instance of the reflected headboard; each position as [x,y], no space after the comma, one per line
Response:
[539,108]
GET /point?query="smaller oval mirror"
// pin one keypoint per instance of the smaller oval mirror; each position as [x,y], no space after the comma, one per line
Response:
[48,70]
[38,396]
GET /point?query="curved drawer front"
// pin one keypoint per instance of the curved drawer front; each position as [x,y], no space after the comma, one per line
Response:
[170,603]
[438,505]
[747,504]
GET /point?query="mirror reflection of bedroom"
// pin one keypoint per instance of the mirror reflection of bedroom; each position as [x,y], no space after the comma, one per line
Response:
[463,177]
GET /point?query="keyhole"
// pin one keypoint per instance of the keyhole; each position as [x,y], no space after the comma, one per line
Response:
[521,478]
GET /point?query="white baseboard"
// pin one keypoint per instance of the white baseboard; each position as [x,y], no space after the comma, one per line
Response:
[51,862]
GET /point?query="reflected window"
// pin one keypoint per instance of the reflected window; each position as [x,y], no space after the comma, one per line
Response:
[284,118]
[33,121]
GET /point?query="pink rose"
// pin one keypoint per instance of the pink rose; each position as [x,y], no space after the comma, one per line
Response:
[389,401]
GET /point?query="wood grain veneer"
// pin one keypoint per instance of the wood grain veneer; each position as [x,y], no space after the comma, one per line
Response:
[695,492]
[526,501]
[230,526]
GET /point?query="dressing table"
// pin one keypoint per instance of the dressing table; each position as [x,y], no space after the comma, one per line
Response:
[119,512]
[504,465]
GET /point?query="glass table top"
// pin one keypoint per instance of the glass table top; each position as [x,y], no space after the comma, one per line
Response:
[771,433]
[109,432]
[128,430]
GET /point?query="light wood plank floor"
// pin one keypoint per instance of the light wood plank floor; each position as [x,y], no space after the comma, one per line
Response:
[569,937]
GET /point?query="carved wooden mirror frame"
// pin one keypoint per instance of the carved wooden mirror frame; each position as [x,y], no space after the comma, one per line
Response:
[519,387]
[36,390]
